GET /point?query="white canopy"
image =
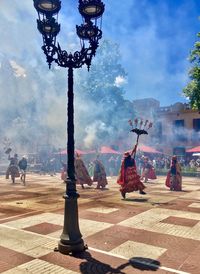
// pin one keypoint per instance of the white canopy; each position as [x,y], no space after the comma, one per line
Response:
[196,154]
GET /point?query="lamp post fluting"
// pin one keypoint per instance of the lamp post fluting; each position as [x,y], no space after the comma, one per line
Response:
[89,33]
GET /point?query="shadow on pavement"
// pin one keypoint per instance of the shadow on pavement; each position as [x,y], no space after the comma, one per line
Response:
[136,200]
[165,204]
[144,263]
[94,266]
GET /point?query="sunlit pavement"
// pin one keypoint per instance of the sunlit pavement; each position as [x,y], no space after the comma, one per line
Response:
[158,232]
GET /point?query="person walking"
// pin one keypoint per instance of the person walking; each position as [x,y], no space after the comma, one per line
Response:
[12,169]
[128,177]
[82,175]
[148,171]
[174,177]
[99,174]
[23,163]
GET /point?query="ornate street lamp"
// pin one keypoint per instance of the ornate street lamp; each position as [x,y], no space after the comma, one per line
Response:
[89,32]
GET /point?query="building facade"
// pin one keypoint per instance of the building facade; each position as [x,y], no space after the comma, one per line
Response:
[176,127]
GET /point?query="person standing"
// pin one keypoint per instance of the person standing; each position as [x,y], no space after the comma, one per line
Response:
[82,174]
[99,174]
[174,177]
[148,171]
[128,177]
[63,171]
[23,166]
[13,168]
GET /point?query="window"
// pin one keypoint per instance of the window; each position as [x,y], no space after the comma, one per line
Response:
[179,124]
[158,132]
[179,131]
[196,125]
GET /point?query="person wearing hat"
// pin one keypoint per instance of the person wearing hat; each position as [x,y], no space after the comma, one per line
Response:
[128,177]
[174,177]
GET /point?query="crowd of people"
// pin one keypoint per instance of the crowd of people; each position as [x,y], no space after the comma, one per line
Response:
[17,168]
[130,176]
[96,172]
[133,170]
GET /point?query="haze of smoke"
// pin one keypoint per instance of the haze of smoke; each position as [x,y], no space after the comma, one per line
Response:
[33,108]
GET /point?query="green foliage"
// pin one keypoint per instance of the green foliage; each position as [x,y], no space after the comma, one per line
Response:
[100,88]
[192,90]
[104,70]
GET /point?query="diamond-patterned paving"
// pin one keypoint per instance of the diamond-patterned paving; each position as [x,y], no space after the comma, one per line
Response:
[159,231]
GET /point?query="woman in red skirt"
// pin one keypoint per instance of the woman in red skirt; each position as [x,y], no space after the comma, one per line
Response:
[148,171]
[174,177]
[128,177]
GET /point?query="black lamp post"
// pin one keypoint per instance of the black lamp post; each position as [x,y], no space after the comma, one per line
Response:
[89,33]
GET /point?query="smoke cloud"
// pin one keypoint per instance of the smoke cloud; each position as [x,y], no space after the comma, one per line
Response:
[33,99]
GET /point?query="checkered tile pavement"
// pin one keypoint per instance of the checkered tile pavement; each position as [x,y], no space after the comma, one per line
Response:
[158,232]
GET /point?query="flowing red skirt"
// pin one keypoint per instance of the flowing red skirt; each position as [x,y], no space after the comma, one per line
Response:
[152,174]
[132,181]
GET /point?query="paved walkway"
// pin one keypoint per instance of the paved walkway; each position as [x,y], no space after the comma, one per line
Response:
[158,232]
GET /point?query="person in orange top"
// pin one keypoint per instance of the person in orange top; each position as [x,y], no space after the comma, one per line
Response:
[128,177]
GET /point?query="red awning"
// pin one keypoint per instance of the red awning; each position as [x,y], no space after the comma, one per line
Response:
[108,150]
[194,149]
[148,149]
[81,152]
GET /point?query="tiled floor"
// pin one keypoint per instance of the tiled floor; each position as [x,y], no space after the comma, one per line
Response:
[158,232]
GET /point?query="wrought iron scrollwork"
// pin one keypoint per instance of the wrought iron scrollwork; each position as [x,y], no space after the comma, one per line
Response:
[65,59]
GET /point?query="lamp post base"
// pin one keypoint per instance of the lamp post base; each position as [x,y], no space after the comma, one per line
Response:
[71,239]
[71,248]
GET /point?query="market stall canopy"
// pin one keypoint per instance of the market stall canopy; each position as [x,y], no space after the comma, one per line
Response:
[81,152]
[108,150]
[194,149]
[196,154]
[148,149]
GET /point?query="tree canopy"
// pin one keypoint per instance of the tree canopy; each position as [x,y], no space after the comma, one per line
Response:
[107,111]
[192,90]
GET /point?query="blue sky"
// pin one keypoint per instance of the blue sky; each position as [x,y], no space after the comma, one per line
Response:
[155,38]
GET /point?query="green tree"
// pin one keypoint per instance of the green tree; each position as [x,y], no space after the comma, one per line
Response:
[192,90]
[107,112]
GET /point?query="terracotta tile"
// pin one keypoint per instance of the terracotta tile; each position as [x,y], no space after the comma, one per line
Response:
[13,210]
[4,266]
[27,214]
[43,228]
[180,221]
[12,257]
[49,201]
[191,264]
[117,235]
[114,217]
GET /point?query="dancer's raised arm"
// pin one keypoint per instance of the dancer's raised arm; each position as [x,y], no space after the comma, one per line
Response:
[134,149]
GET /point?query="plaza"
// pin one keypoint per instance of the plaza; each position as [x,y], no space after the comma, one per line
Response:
[157,232]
